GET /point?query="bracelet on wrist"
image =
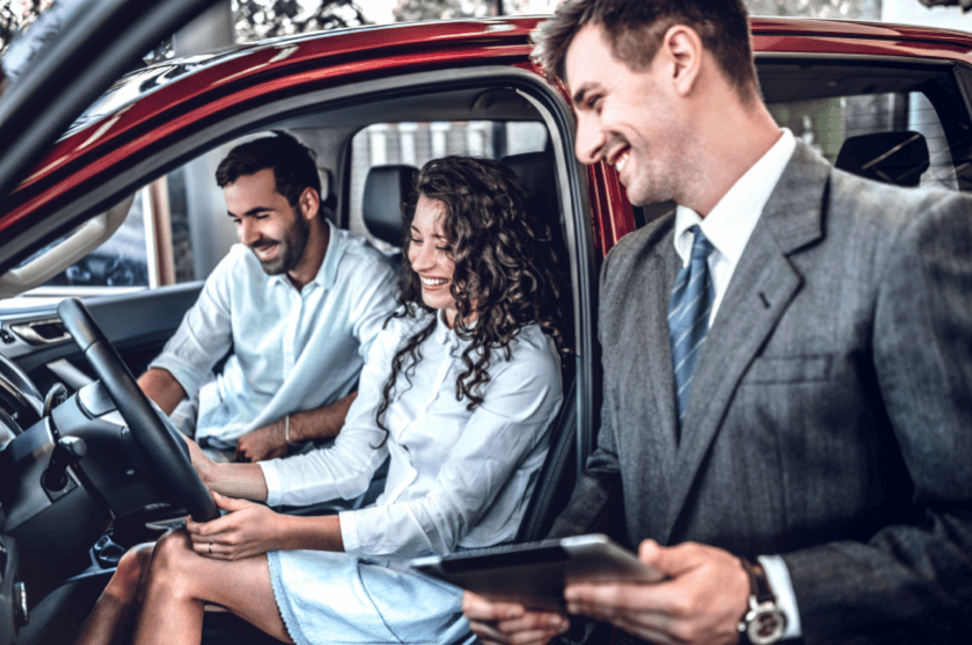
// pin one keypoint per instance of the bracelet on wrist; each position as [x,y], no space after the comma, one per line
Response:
[287,434]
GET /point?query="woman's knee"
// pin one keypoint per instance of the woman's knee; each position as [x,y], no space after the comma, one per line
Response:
[171,561]
[124,584]
[136,561]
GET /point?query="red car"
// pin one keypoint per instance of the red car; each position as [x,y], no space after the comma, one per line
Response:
[888,102]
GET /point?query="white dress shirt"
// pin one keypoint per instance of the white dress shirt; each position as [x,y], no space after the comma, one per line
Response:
[292,350]
[456,478]
[731,222]
[728,227]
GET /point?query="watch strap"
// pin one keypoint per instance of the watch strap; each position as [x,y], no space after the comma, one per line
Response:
[764,623]
[758,582]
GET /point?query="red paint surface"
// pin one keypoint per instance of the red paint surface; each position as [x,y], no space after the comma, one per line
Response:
[231,83]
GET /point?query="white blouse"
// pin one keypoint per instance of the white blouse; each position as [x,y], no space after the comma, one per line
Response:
[456,478]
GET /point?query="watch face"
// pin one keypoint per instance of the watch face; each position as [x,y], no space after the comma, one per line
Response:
[765,624]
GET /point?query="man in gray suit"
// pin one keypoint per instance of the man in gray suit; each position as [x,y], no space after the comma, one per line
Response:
[787,412]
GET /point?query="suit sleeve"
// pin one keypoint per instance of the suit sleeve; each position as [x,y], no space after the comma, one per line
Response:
[912,582]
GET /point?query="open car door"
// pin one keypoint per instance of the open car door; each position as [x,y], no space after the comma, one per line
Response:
[90,54]
[77,67]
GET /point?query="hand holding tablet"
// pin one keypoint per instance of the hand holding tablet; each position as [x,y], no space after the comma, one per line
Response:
[534,575]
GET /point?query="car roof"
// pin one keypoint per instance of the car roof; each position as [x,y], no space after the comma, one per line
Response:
[146,93]
[907,39]
[144,107]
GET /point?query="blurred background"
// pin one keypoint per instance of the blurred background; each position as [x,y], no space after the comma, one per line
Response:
[248,20]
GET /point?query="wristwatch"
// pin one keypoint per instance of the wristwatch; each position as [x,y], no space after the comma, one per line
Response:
[764,622]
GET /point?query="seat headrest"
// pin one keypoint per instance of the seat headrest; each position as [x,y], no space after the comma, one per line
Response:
[386,188]
[536,172]
[892,157]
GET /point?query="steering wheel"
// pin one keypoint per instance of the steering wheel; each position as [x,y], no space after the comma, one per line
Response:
[166,452]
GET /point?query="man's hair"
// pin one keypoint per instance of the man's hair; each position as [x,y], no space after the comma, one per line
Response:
[635,29]
[292,164]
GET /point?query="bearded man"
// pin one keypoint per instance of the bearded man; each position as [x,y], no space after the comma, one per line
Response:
[297,303]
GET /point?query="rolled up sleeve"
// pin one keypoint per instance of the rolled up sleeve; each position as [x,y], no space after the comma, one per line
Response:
[344,469]
[205,334]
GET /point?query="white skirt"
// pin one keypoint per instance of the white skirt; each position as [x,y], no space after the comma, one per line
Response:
[327,597]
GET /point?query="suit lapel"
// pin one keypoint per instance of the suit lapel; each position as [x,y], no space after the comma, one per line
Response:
[762,286]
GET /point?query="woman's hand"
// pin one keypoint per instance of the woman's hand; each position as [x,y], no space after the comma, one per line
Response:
[239,480]
[248,529]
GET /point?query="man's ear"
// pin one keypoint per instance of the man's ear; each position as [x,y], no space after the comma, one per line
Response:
[683,48]
[309,203]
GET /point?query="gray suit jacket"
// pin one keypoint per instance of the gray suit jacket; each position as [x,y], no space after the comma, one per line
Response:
[830,418]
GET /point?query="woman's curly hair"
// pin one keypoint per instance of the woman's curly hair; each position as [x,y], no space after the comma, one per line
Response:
[503,269]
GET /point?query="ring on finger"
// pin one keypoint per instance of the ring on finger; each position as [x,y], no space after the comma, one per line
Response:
[210,548]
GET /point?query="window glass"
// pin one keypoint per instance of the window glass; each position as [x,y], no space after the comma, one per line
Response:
[826,124]
[128,257]
[905,124]
[121,261]
[414,144]
[885,122]
[132,258]
[179,222]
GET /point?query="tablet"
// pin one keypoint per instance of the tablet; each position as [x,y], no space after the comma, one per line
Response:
[534,574]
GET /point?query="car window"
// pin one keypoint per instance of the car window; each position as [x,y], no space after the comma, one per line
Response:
[860,116]
[871,119]
[827,124]
[150,249]
[122,261]
[414,144]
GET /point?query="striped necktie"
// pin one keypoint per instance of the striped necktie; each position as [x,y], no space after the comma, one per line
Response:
[688,317]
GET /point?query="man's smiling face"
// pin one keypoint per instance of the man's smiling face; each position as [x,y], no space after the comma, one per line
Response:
[266,222]
[627,118]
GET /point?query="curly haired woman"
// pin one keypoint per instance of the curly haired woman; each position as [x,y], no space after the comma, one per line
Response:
[458,392]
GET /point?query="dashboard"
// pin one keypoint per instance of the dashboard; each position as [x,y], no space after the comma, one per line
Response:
[70,469]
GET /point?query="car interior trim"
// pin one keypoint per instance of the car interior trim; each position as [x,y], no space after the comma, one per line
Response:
[575,211]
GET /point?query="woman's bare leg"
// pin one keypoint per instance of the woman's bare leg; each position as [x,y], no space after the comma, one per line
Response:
[180,582]
[110,620]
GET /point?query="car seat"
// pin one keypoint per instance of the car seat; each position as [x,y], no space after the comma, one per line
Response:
[386,189]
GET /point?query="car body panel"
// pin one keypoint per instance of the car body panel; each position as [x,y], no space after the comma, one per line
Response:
[233,81]
[855,30]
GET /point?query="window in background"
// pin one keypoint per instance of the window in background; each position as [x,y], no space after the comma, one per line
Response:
[825,124]
[414,144]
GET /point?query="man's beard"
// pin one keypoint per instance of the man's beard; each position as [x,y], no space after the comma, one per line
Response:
[291,248]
